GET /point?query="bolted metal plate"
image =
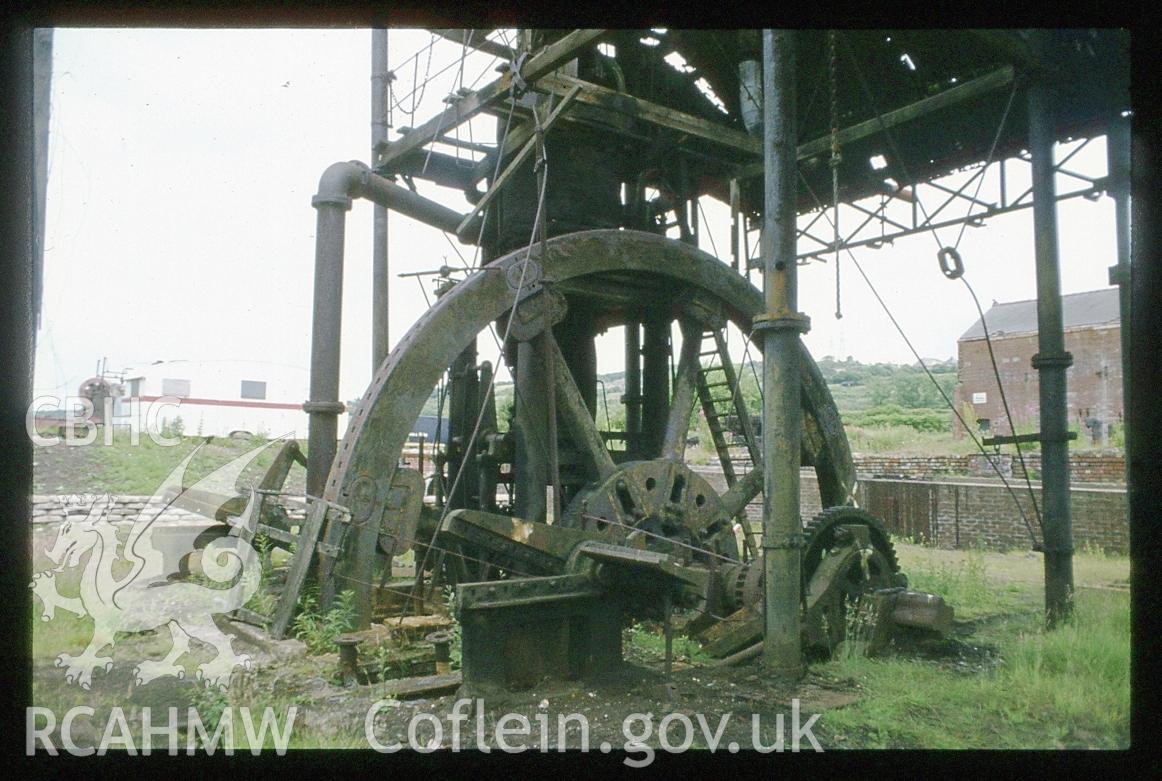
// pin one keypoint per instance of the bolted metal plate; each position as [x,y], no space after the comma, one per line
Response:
[657,505]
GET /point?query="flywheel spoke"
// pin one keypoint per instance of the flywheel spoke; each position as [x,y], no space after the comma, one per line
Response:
[739,495]
[685,388]
[575,415]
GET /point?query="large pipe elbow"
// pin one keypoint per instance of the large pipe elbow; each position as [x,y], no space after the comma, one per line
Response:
[339,183]
[342,182]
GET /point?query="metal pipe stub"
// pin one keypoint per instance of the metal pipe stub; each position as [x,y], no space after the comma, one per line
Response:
[348,645]
[442,640]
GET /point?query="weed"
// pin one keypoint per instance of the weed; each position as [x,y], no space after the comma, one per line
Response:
[1093,551]
[965,585]
[210,702]
[173,428]
[319,630]
[651,642]
[859,622]
[455,650]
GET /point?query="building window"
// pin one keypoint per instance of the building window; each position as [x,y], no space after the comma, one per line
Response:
[983,424]
[251,389]
[980,397]
[135,387]
[179,388]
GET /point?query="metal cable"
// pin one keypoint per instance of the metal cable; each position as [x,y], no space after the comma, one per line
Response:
[671,540]
[508,328]
[988,162]
[836,159]
[940,390]
[706,222]
[935,235]
[1004,401]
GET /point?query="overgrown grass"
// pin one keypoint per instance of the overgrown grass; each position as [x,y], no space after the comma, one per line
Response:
[965,585]
[138,470]
[1050,689]
[904,440]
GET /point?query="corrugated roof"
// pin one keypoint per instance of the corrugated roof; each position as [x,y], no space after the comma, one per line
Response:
[1094,307]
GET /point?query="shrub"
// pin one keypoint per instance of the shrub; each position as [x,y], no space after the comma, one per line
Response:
[888,415]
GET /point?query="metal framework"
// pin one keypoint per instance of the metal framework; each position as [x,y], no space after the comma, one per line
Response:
[877,225]
[639,136]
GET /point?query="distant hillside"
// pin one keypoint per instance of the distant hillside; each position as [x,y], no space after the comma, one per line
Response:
[856,387]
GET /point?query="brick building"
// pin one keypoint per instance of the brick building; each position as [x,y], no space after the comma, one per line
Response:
[1094,381]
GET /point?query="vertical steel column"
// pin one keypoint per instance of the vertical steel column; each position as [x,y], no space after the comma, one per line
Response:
[19,309]
[633,383]
[531,432]
[463,409]
[655,382]
[1118,151]
[324,407]
[41,109]
[379,278]
[781,325]
[1051,362]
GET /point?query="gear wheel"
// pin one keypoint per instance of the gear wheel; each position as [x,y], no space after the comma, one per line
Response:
[821,531]
[877,568]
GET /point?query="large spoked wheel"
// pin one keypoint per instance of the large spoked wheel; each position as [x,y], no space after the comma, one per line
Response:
[637,487]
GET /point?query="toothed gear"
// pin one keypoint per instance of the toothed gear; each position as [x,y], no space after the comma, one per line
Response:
[820,534]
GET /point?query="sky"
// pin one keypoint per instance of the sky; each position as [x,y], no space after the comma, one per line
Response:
[179,221]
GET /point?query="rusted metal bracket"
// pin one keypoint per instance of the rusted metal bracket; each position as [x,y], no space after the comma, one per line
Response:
[1035,437]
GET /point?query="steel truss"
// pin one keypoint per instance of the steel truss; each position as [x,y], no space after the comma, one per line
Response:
[883,223]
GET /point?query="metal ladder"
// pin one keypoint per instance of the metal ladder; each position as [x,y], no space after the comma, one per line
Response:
[721,400]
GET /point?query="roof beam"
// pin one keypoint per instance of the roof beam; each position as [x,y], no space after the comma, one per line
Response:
[621,103]
[1011,43]
[543,62]
[478,39]
[1001,77]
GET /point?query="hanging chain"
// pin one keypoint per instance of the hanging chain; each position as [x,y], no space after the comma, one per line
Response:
[836,159]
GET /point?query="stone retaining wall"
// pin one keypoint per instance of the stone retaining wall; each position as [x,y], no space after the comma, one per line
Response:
[56,508]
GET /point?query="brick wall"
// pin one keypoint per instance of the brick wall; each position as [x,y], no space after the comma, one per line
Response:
[962,514]
[1103,467]
[1094,381]
[809,502]
[1099,467]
